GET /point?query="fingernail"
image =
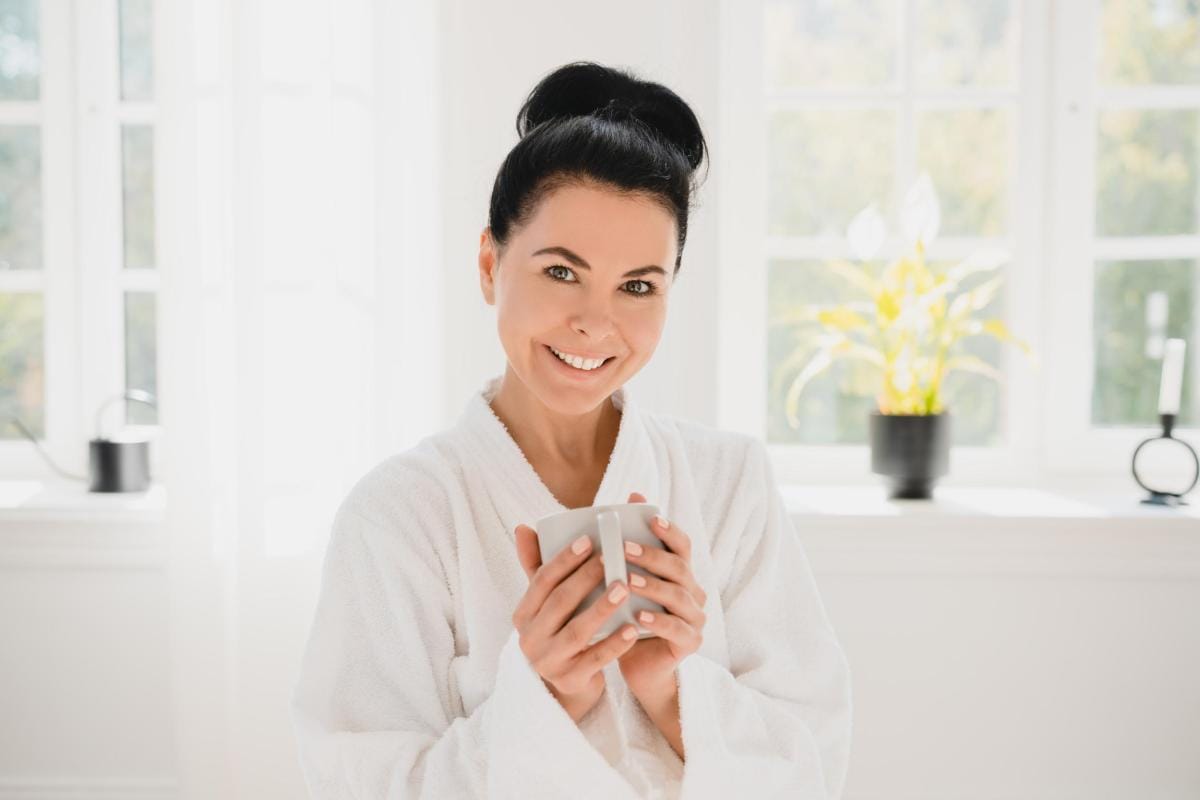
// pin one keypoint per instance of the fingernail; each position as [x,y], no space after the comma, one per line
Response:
[616,593]
[636,580]
[581,544]
[646,616]
[628,634]
[662,523]
[633,548]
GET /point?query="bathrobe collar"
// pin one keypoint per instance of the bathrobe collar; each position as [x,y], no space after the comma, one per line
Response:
[517,489]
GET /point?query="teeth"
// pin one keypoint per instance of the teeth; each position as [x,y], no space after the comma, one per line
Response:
[586,364]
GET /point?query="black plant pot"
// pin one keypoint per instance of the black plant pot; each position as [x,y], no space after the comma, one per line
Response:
[912,450]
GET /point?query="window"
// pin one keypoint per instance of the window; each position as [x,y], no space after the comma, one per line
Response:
[863,95]
[78,280]
[1127,232]
[22,287]
[1147,205]
[1067,134]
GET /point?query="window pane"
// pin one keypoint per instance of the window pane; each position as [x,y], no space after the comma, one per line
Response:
[833,408]
[137,158]
[137,51]
[141,370]
[830,43]
[22,364]
[20,197]
[1140,304]
[1149,42]
[826,166]
[1148,172]
[20,50]
[965,43]
[966,154]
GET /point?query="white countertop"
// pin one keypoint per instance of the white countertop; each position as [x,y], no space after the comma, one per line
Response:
[61,499]
[984,501]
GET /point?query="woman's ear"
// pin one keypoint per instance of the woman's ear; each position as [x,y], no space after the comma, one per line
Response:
[487,267]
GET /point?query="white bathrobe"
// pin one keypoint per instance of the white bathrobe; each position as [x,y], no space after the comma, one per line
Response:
[413,682]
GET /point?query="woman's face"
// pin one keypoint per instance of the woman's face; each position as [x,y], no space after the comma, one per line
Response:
[564,282]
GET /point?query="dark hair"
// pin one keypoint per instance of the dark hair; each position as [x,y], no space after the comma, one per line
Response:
[585,121]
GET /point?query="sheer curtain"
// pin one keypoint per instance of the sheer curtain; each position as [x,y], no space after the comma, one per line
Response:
[295,161]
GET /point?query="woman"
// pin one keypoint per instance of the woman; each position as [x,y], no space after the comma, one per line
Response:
[443,660]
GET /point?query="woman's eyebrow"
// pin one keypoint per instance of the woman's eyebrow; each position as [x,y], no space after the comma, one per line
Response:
[579,262]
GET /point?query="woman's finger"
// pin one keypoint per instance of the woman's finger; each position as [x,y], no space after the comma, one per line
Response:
[581,669]
[549,618]
[671,628]
[672,536]
[665,565]
[528,552]
[577,633]
[546,577]
[671,596]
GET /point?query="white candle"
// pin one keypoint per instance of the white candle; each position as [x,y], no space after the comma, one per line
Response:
[1172,377]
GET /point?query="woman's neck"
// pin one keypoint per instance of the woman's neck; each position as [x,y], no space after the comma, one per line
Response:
[549,438]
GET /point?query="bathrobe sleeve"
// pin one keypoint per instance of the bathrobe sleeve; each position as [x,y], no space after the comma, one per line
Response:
[375,712]
[777,722]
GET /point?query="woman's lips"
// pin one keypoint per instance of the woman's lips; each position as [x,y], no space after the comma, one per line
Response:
[575,372]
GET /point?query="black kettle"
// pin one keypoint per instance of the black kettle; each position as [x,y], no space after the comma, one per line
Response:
[120,464]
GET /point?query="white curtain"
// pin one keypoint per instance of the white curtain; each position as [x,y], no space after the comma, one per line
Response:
[295,159]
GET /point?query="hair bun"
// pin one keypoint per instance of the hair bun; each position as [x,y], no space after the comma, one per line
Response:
[584,88]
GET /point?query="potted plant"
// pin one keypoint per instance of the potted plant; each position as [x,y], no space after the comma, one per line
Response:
[910,328]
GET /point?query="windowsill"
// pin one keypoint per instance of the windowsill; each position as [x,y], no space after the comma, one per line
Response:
[60,499]
[848,530]
[1094,532]
[1011,502]
[56,500]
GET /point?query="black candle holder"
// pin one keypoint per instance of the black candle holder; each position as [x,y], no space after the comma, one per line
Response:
[1161,498]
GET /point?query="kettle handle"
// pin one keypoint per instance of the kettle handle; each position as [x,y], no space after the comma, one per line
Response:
[133,394]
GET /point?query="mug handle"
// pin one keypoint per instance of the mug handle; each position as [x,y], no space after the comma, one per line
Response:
[612,547]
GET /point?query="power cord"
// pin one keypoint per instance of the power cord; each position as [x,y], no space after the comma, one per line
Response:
[28,435]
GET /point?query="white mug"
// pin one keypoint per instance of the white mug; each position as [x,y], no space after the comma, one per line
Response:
[609,527]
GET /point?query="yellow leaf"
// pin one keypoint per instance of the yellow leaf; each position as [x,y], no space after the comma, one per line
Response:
[887,306]
[841,318]
[999,330]
[897,272]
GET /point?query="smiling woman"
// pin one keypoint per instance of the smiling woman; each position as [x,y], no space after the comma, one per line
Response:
[587,224]
[445,659]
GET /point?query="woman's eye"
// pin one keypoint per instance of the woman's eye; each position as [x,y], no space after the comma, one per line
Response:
[645,292]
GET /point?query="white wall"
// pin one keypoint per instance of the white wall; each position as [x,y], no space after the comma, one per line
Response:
[991,658]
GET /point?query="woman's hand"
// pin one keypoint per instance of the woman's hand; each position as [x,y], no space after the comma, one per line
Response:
[649,666]
[570,668]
